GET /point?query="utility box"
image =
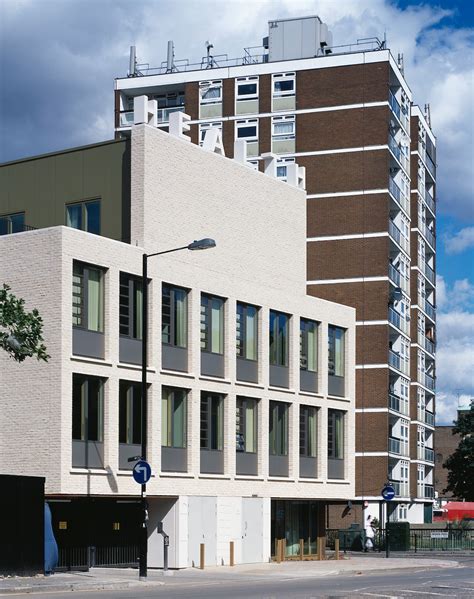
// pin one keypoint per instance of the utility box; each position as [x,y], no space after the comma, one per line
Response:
[290,39]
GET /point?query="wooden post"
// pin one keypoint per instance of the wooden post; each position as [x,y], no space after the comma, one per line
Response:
[201,556]
[231,561]
[320,548]
[336,548]
[278,551]
[301,548]
[283,550]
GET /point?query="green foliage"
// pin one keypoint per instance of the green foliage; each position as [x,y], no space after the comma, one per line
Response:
[21,332]
[461,463]
[399,536]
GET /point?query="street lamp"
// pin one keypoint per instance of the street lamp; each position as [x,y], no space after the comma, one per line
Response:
[201,244]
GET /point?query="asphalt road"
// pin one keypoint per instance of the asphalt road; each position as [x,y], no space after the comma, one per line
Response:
[401,584]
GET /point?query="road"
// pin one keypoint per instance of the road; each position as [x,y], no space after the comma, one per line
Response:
[395,584]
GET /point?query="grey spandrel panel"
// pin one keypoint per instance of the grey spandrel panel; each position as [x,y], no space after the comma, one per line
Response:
[279,376]
[130,350]
[212,462]
[174,358]
[247,370]
[212,364]
[87,343]
[336,385]
[174,459]
[126,451]
[335,468]
[278,465]
[87,454]
[308,381]
[246,463]
[308,467]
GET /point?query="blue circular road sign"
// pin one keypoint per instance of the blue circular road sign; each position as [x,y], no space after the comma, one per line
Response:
[141,472]
[388,493]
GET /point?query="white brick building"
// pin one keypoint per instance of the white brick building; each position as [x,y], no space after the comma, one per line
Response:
[247,434]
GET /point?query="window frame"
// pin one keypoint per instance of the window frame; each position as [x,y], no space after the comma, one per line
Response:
[207,311]
[241,424]
[207,126]
[274,337]
[283,119]
[205,86]
[332,371]
[246,81]
[207,444]
[171,400]
[7,218]
[173,331]
[242,123]
[277,77]
[84,303]
[304,433]
[336,445]
[304,343]
[130,394]
[84,407]
[242,329]
[83,204]
[283,163]
[278,410]
[134,285]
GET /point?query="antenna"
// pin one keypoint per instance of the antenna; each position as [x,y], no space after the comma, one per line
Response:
[400,63]
[170,68]
[428,114]
[132,65]
[209,58]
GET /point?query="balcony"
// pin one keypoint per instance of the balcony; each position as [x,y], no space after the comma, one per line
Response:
[397,320]
[430,165]
[394,359]
[397,446]
[396,404]
[428,235]
[401,488]
[427,308]
[398,195]
[425,343]
[163,115]
[396,234]
[429,454]
[429,201]
[429,418]
[126,118]
[429,492]
[394,105]
[397,151]
[428,272]
[426,380]
[394,275]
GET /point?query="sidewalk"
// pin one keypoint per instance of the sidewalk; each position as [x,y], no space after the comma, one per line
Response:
[122,579]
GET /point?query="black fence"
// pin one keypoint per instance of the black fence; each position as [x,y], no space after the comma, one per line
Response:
[84,558]
[449,540]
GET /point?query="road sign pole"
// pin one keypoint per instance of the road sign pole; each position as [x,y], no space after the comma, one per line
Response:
[387,522]
[144,533]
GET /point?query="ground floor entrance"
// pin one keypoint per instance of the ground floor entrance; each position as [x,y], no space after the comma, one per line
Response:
[299,523]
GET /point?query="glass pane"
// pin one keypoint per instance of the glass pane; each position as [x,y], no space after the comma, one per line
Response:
[212,93]
[273,338]
[286,85]
[179,419]
[165,400]
[4,225]
[124,305]
[216,325]
[166,314]
[123,413]
[205,323]
[284,128]
[180,317]
[250,428]
[136,414]
[205,421]
[312,347]
[283,340]
[78,295]
[240,425]
[339,352]
[312,429]
[251,333]
[93,217]
[77,428]
[17,222]
[214,423]
[245,89]
[339,445]
[74,216]
[94,301]
[94,410]
[248,131]
[220,423]
[138,310]
[239,330]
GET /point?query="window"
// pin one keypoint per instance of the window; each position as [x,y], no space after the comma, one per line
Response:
[173,417]
[278,428]
[336,434]
[335,351]
[283,84]
[308,345]
[246,88]
[87,297]
[212,421]
[308,431]
[278,338]
[204,127]
[12,223]
[174,316]
[283,127]
[282,168]
[130,413]
[131,306]
[246,425]
[246,333]
[87,408]
[212,324]
[210,92]
[84,215]
[247,129]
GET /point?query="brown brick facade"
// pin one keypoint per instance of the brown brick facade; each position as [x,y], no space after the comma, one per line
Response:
[347,215]
[372,388]
[347,258]
[372,431]
[369,299]
[316,131]
[371,344]
[371,474]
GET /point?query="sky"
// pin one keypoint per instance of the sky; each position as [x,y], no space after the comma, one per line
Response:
[59,58]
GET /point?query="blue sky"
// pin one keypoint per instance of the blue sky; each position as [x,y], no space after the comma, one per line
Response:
[58,60]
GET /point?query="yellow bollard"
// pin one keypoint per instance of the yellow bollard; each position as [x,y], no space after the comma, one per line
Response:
[201,556]
[301,549]
[231,561]
[336,548]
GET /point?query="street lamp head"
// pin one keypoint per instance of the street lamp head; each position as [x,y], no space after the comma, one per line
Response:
[202,244]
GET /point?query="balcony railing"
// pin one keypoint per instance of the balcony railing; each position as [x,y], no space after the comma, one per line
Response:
[394,105]
[429,492]
[429,418]
[163,115]
[425,343]
[428,234]
[429,201]
[430,165]
[397,320]
[126,118]
[429,454]
[426,380]
[395,148]
[394,275]
[397,404]
[428,271]
[400,487]
[394,359]
[397,446]
[427,308]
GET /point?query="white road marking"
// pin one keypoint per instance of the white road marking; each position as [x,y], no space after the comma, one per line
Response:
[379,595]
[422,592]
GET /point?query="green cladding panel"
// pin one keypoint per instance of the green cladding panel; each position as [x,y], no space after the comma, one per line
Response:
[43,186]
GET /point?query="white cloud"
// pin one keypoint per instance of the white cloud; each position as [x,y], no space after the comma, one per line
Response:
[447,404]
[460,241]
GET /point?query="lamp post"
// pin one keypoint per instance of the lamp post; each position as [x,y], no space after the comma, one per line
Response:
[201,244]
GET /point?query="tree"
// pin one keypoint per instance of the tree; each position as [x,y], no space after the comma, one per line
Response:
[461,463]
[21,332]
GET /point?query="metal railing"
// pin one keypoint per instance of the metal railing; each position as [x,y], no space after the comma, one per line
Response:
[426,380]
[400,487]
[394,359]
[394,105]
[429,454]
[428,235]
[86,557]
[397,446]
[425,343]
[395,148]
[429,418]
[397,235]
[397,404]
[394,274]
[428,272]
[398,195]
[427,308]
[429,201]
[163,115]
